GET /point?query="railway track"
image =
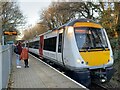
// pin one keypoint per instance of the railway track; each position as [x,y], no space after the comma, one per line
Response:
[96,86]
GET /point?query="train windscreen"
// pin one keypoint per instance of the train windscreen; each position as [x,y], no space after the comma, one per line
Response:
[90,38]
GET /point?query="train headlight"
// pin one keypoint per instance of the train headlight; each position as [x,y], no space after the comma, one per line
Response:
[103,80]
[70,30]
[78,60]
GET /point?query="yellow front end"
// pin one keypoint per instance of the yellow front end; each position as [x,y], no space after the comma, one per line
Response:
[96,57]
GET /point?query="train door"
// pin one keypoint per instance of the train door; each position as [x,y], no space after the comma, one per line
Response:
[41,46]
[60,47]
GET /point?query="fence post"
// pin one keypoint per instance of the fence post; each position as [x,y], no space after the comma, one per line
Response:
[0,67]
[9,59]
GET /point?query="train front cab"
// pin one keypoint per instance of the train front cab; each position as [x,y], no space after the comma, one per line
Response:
[95,53]
[95,49]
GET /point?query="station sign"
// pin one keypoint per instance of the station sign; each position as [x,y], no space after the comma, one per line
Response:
[10,32]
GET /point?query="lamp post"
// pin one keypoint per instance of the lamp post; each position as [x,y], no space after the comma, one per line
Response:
[1,24]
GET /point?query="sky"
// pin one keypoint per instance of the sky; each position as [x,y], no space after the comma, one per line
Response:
[32,9]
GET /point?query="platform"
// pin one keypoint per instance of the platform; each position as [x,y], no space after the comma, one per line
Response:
[39,75]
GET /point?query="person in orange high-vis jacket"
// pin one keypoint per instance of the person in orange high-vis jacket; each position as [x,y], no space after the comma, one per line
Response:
[24,56]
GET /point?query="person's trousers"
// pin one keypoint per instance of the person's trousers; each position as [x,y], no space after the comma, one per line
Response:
[17,59]
[26,62]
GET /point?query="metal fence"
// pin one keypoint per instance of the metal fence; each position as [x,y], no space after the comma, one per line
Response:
[5,64]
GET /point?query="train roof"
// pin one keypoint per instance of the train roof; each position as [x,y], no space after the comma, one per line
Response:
[72,22]
[79,20]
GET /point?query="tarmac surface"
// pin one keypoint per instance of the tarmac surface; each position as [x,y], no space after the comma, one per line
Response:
[39,75]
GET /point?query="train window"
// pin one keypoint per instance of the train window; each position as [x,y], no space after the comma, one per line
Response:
[30,45]
[27,45]
[50,44]
[90,38]
[60,43]
[36,44]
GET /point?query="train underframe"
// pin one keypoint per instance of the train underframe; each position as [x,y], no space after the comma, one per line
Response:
[102,75]
[96,76]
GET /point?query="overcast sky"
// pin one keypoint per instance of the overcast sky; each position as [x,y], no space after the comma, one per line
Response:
[32,9]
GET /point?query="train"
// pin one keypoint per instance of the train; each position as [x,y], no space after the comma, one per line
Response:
[80,46]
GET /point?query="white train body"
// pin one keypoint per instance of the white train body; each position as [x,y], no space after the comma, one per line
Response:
[65,47]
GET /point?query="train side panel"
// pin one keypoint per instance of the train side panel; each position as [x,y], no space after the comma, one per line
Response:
[35,51]
[110,63]
[59,47]
[49,50]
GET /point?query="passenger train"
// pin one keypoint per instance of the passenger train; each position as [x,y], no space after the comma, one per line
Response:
[80,46]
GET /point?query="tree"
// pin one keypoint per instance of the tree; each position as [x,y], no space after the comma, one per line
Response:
[117,8]
[11,17]
[32,32]
[110,19]
[60,13]
[0,23]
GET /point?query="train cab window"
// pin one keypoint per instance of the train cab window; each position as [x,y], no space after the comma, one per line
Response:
[90,38]
[60,43]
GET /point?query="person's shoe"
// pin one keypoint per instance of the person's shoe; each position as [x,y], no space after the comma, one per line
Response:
[27,66]
[18,66]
